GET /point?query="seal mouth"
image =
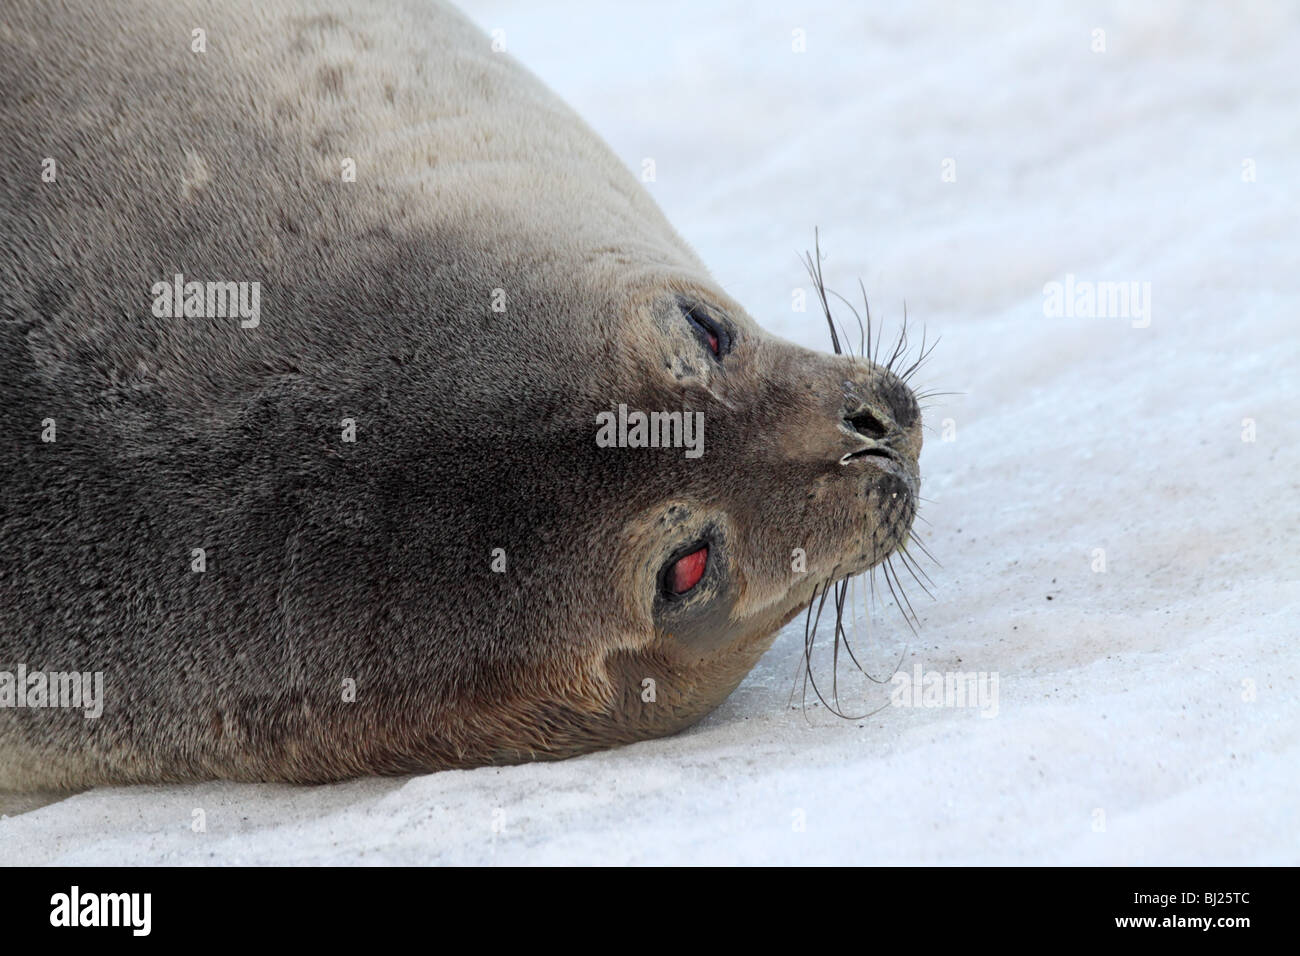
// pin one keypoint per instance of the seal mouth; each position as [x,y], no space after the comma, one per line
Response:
[876,451]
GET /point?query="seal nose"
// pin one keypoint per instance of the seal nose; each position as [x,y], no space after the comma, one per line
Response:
[876,429]
[867,424]
[872,426]
[882,411]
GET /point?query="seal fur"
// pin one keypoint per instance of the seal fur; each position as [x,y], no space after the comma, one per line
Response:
[368,564]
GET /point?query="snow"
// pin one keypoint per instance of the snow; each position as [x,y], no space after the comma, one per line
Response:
[1146,713]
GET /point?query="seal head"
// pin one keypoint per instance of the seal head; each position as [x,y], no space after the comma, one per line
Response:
[419,548]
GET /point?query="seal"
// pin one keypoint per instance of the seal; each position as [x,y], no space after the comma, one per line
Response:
[313,318]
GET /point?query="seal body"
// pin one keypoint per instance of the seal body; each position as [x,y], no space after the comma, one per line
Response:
[347,512]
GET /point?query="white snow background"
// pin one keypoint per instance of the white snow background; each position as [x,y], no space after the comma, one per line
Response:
[1147,714]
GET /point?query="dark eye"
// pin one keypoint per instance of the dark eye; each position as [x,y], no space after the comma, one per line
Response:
[710,332]
[684,572]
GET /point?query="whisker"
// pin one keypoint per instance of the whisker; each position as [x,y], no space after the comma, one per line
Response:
[884,570]
[900,344]
[924,550]
[809,640]
[803,661]
[853,309]
[922,358]
[851,592]
[848,594]
[814,266]
[835,647]
[866,617]
[867,307]
[902,556]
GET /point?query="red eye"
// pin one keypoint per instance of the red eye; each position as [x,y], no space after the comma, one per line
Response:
[688,570]
[713,342]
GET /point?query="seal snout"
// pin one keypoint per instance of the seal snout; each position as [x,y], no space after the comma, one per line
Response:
[882,413]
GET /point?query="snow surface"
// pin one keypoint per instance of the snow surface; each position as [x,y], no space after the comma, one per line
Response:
[1147,713]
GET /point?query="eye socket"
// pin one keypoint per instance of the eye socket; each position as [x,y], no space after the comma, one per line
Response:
[684,572]
[710,332]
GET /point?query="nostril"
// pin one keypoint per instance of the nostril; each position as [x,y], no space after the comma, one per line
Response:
[867,423]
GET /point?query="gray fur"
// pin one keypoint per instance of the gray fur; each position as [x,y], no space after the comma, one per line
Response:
[369,562]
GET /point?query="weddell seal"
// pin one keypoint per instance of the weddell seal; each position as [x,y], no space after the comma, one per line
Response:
[312,315]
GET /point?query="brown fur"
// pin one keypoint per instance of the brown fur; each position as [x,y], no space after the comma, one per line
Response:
[371,561]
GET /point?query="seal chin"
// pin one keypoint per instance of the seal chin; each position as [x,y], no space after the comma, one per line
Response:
[892,501]
[891,486]
[891,467]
